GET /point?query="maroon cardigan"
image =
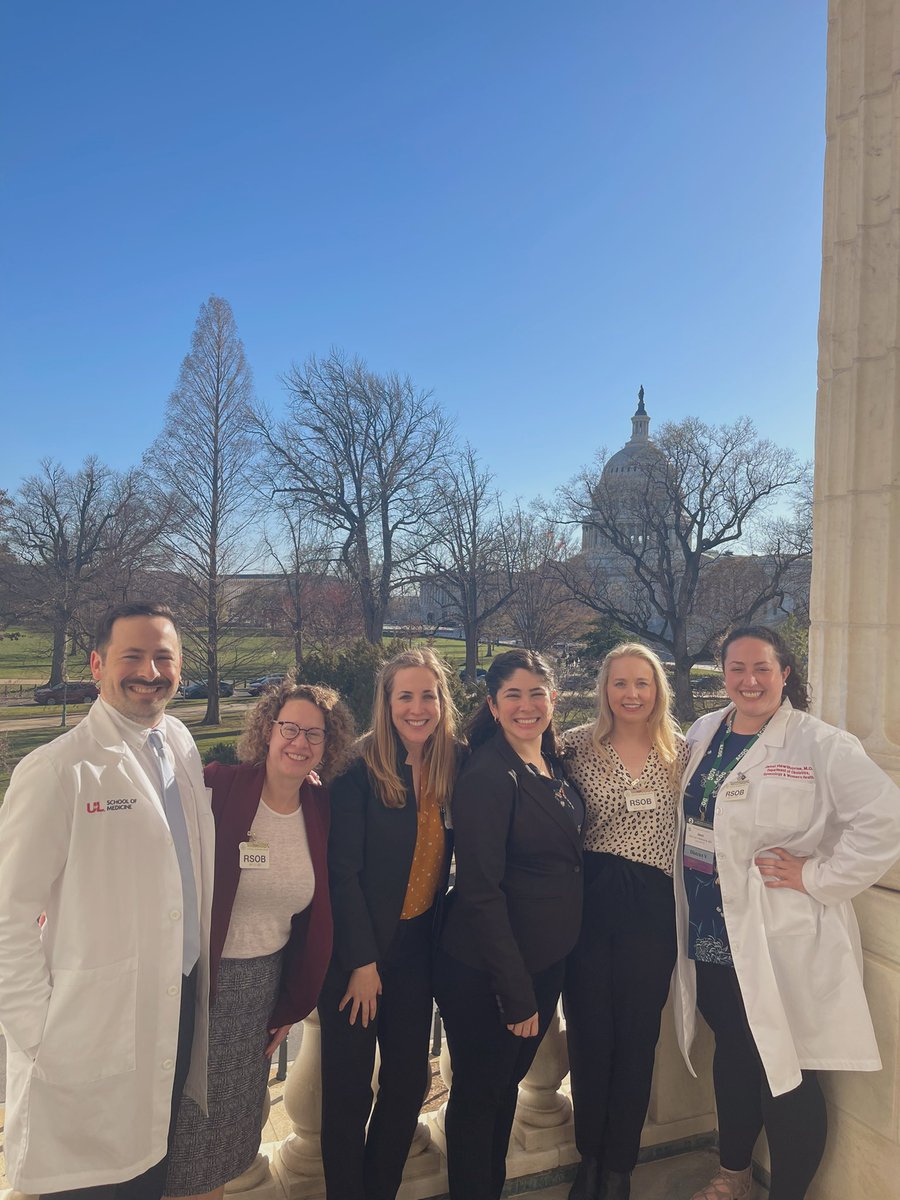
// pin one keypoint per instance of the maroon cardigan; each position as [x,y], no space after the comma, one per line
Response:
[235,799]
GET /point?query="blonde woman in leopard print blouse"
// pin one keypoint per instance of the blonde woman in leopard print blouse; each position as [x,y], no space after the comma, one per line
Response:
[626,766]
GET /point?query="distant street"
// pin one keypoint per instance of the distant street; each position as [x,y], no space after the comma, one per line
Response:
[182,709]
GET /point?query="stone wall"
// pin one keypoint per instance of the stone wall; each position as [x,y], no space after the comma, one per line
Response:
[855,636]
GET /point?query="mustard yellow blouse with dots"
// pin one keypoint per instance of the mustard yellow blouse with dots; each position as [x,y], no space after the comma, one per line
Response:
[428,860]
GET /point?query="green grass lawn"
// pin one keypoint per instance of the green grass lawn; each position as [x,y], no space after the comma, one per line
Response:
[22,741]
[29,712]
[28,657]
[241,658]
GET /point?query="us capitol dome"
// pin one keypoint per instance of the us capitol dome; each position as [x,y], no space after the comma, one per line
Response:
[625,478]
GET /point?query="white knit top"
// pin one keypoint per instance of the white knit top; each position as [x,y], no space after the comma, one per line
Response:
[267,899]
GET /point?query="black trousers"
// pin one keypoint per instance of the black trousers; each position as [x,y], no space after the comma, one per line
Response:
[150,1184]
[795,1122]
[488,1065]
[617,981]
[369,1166]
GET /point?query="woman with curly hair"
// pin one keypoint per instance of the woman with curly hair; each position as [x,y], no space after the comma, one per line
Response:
[627,764]
[271,920]
[784,819]
[388,860]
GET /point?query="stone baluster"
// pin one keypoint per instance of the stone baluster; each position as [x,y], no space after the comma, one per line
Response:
[543,1132]
[256,1183]
[446,1069]
[421,1144]
[297,1162]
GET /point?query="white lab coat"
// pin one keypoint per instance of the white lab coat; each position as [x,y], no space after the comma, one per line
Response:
[84,838]
[814,791]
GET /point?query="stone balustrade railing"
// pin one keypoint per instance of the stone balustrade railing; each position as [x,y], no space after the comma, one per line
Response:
[681,1117]
[543,1141]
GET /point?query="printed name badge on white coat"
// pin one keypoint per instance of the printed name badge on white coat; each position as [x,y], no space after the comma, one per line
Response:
[700,848]
[253,856]
[640,801]
[736,790]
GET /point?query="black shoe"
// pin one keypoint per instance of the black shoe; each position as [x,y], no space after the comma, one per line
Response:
[614,1185]
[587,1180]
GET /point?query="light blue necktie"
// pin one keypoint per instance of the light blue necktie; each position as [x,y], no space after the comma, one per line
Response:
[178,829]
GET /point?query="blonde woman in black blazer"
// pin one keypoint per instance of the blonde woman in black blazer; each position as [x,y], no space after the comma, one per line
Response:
[512,917]
[388,862]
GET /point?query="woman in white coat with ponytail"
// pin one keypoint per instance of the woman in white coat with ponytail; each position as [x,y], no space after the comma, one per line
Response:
[784,819]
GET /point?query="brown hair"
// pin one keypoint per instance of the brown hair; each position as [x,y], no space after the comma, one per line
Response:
[339,731]
[795,686]
[379,745]
[134,608]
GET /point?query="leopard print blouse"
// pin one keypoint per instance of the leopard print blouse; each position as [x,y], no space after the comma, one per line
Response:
[645,836]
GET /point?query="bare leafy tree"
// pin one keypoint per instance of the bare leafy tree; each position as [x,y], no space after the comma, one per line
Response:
[204,460]
[659,564]
[541,611]
[359,453]
[80,537]
[469,559]
[310,593]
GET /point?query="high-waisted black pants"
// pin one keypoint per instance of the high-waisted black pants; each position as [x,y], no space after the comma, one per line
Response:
[489,1063]
[617,981]
[363,1164]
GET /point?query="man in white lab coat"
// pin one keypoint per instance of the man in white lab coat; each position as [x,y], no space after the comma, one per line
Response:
[108,831]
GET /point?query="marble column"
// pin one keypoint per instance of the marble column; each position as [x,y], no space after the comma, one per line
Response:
[855,634]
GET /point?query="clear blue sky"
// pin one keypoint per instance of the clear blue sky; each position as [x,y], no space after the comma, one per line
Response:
[530,206]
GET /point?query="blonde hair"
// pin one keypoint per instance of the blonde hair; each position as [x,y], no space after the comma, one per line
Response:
[379,745]
[664,732]
[253,745]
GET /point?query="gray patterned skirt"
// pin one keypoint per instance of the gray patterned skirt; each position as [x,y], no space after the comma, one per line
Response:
[210,1151]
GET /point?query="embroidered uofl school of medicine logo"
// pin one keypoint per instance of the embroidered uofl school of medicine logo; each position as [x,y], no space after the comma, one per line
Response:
[123,804]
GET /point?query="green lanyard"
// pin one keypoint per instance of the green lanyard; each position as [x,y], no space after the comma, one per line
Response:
[716,775]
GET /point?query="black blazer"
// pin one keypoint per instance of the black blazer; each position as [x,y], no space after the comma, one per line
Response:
[370,852]
[516,904]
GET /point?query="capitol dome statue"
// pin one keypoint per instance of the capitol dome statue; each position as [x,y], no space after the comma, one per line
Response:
[632,481]
[638,452]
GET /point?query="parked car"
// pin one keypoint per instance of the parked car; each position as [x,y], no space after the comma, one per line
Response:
[199,690]
[256,687]
[480,672]
[74,692]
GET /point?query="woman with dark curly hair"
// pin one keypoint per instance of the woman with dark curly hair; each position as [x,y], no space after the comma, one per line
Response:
[784,820]
[512,916]
[271,920]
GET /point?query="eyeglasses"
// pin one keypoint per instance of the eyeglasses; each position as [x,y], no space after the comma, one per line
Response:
[289,731]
